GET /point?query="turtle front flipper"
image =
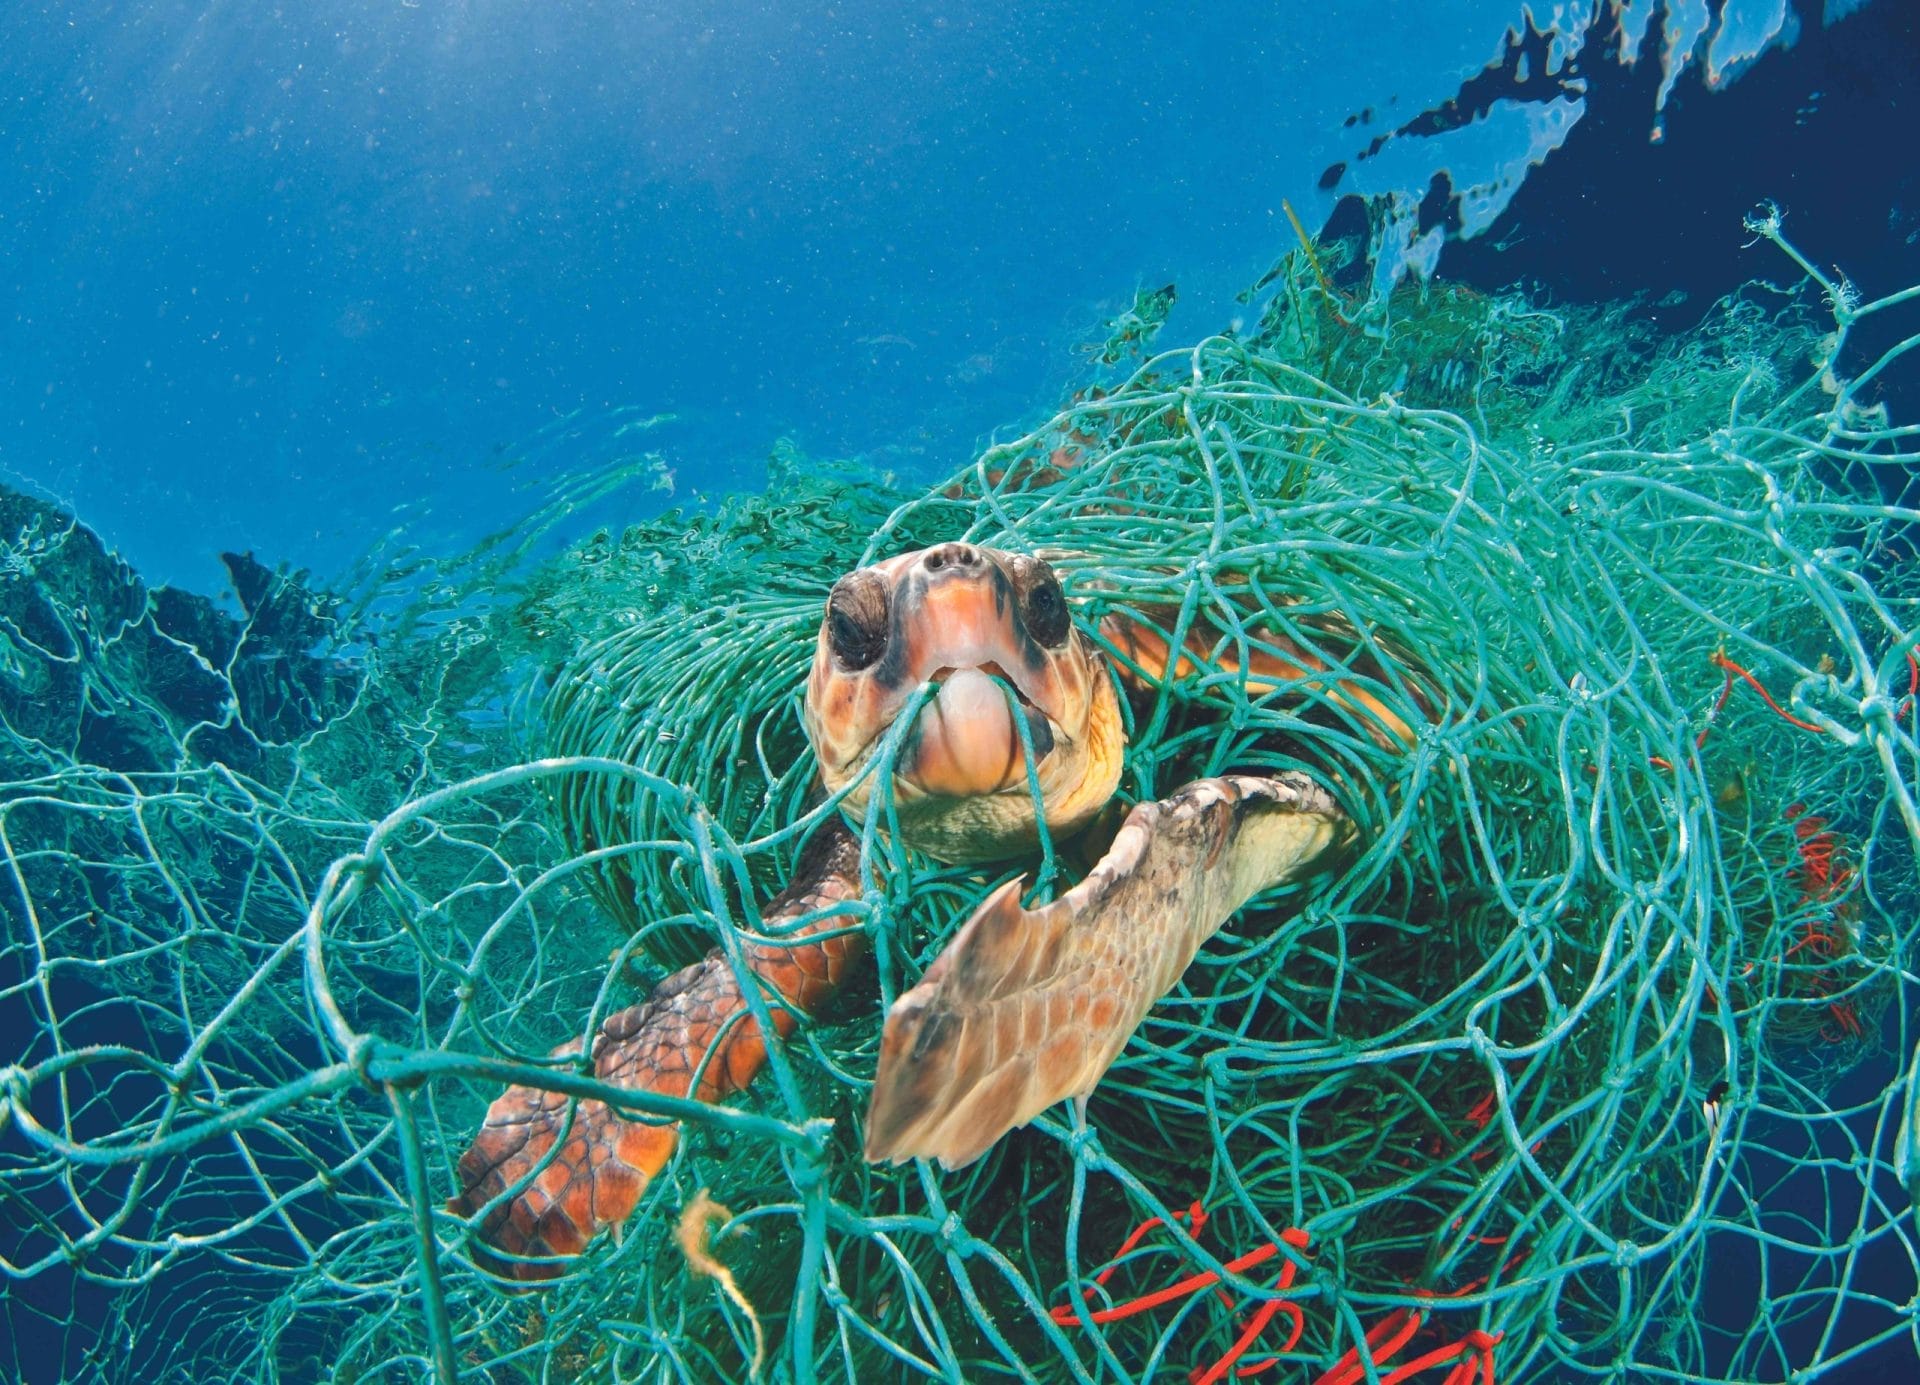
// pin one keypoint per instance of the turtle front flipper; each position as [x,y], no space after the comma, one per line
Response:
[1026,1007]
[694,1022]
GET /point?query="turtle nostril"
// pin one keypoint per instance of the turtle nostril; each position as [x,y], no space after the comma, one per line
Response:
[960,555]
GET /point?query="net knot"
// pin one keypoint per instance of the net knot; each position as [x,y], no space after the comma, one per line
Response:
[1626,1255]
[362,1049]
[1084,1144]
[806,1170]
[1219,1065]
[954,1236]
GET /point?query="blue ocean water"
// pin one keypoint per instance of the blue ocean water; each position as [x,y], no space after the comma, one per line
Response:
[273,273]
[291,281]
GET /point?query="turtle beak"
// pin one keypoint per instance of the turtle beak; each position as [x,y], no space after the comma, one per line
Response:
[967,740]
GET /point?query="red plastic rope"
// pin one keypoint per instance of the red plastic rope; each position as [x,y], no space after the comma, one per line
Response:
[1069,1315]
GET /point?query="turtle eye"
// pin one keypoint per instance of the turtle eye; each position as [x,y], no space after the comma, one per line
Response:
[857,621]
[1046,610]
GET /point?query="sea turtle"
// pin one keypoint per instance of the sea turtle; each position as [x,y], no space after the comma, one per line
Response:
[1025,1007]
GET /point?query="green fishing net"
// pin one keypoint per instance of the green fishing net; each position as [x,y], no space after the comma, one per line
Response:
[1590,1063]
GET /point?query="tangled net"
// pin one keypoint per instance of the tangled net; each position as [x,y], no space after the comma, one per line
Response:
[1582,1068]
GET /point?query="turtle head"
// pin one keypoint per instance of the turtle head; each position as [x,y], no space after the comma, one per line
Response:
[960,616]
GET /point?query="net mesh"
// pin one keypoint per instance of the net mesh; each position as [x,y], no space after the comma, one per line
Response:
[1591,1063]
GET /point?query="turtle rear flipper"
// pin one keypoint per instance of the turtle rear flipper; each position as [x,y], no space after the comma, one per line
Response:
[1027,1007]
[535,1202]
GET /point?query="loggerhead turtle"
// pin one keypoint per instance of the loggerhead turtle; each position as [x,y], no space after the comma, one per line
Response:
[1025,1006]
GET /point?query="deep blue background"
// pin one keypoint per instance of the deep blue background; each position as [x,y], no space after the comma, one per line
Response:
[272,268]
